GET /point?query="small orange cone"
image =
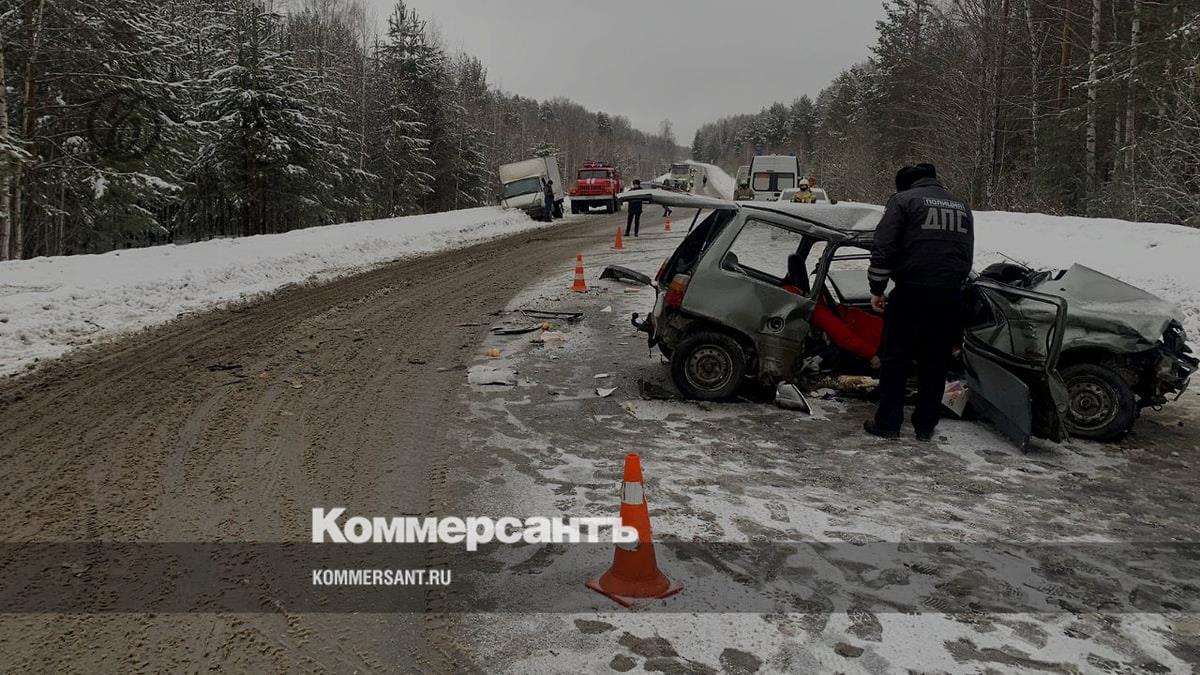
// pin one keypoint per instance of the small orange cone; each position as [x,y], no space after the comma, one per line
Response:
[580,285]
[634,573]
[620,245]
[668,227]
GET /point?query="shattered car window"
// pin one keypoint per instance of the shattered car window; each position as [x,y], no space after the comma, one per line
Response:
[765,248]
[1015,327]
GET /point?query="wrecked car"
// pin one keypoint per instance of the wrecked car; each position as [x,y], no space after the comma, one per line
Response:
[1123,349]
[735,304]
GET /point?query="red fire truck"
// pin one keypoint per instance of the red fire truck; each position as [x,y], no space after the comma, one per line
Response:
[597,184]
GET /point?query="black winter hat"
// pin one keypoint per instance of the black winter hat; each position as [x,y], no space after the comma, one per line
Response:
[907,175]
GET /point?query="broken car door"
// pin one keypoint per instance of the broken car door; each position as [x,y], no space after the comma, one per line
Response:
[1011,345]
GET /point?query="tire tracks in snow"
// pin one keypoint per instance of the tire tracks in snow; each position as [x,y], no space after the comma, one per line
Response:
[342,396]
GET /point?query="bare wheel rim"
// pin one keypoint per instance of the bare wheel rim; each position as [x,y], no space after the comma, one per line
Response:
[1093,403]
[709,367]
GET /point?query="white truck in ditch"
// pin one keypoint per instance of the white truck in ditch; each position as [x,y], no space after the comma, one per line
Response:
[522,186]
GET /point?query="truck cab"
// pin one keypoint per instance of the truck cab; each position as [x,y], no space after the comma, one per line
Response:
[597,184]
[523,186]
[681,177]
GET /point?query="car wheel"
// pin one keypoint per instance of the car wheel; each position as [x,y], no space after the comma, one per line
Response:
[558,210]
[1101,404]
[708,366]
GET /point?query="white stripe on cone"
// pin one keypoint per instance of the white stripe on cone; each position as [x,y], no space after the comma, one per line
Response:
[633,494]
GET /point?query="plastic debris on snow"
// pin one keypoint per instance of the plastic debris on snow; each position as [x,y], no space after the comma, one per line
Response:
[788,397]
[605,393]
[485,375]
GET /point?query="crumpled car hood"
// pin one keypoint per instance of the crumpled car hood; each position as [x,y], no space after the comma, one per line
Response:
[1108,312]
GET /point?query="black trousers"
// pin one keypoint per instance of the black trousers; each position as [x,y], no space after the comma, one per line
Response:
[921,324]
[633,220]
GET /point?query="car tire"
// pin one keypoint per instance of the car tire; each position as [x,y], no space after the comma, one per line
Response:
[708,366]
[558,210]
[1101,404]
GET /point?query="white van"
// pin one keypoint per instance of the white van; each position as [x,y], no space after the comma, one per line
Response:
[772,174]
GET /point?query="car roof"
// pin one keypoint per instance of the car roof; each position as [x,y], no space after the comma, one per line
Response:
[848,218]
[858,221]
[683,200]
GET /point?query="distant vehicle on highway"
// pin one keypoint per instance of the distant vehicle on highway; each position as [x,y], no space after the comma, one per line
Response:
[741,189]
[822,196]
[681,177]
[596,184]
[523,186]
[772,174]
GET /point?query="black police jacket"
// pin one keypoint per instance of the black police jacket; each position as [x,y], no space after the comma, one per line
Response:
[926,238]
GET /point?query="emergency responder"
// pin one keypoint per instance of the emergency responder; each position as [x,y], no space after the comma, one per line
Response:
[804,195]
[634,219]
[924,244]
[548,190]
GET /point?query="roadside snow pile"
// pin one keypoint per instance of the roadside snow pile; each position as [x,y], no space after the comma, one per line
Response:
[51,305]
[1156,257]
[717,178]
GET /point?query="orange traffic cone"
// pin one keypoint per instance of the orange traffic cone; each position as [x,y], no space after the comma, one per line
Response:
[634,572]
[620,245]
[580,285]
[668,227]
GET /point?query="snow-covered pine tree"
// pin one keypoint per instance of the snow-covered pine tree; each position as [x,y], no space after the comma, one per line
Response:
[400,149]
[275,158]
[93,83]
[471,172]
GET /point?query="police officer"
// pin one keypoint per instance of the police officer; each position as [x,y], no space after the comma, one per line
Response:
[633,221]
[924,244]
[548,192]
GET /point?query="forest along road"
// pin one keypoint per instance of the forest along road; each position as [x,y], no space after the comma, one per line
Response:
[230,426]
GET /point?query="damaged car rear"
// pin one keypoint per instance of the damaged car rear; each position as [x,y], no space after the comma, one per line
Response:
[1045,354]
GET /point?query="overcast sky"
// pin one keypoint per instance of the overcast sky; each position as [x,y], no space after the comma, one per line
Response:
[691,61]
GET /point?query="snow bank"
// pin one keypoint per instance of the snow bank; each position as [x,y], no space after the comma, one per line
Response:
[717,178]
[1162,259]
[51,305]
